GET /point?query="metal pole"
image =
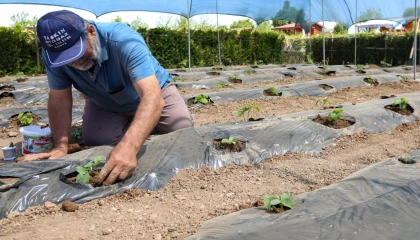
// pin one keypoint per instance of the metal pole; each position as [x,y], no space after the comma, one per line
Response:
[189,37]
[218,33]
[415,41]
[310,26]
[355,38]
[323,34]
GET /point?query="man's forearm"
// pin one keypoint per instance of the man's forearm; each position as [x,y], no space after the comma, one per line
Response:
[145,120]
[59,113]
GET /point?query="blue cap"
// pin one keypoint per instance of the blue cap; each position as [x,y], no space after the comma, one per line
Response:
[62,34]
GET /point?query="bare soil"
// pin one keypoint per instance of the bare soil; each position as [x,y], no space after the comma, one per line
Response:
[196,195]
[405,111]
[238,146]
[336,124]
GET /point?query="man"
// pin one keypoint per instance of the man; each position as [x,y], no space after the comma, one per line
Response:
[128,94]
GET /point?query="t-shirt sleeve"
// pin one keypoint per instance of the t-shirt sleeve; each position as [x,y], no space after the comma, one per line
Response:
[138,59]
[58,78]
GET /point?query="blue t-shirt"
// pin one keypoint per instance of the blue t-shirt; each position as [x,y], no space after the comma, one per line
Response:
[124,59]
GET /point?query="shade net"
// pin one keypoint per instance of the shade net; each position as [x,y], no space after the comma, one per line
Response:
[303,12]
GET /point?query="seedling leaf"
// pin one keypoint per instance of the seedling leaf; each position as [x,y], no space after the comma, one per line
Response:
[83,177]
[275,201]
[402,103]
[336,114]
[202,98]
[230,140]
[267,201]
[85,170]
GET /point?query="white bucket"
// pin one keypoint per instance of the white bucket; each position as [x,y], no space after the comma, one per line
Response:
[35,139]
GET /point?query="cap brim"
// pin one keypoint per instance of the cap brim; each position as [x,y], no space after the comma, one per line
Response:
[57,59]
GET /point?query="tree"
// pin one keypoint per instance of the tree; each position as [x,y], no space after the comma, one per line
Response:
[182,24]
[265,26]
[20,20]
[246,23]
[119,20]
[204,24]
[138,23]
[339,28]
[287,13]
[166,22]
[277,23]
[369,14]
[409,12]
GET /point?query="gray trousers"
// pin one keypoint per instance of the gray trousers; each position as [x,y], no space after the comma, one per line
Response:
[102,127]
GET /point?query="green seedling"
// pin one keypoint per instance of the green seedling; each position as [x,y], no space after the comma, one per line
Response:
[202,98]
[360,67]
[76,134]
[369,79]
[403,77]
[326,67]
[84,171]
[386,64]
[325,101]
[336,114]
[230,140]
[220,85]
[275,201]
[25,118]
[273,91]
[177,79]
[234,77]
[246,110]
[250,71]
[402,103]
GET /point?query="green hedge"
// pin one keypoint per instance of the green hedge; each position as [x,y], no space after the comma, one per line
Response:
[170,47]
[371,48]
[17,52]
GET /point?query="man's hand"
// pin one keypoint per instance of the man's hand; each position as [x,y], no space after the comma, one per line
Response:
[55,153]
[120,164]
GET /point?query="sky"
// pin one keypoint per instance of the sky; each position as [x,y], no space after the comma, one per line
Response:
[8,10]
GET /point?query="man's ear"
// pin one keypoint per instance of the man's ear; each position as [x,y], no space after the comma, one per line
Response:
[91,31]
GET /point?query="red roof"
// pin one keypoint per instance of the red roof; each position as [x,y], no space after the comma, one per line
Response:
[288,26]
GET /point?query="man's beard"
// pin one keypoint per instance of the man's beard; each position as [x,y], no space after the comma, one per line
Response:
[85,64]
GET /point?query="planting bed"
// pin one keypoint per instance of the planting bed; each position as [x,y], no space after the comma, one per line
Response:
[194,179]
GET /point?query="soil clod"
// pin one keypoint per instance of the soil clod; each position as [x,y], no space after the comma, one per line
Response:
[69,206]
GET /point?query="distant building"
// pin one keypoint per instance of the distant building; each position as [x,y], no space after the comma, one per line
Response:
[291,28]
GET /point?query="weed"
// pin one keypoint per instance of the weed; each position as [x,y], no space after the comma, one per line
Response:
[202,98]
[76,133]
[177,79]
[336,114]
[275,201]
[325,101]
[230,140]
[234,77]
[360,67]
[25,118]
[273,91]
[249,71]
[326,67]
[85,170]
[402,103]
[246,110]
[386,64]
